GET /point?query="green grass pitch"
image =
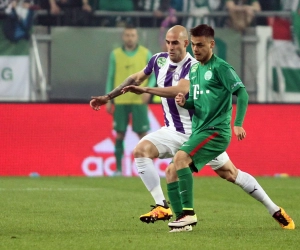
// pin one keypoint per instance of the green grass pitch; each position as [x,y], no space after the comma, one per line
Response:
[103,213]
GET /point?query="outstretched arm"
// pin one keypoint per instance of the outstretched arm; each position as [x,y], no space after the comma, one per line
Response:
[135,79]
[168,92]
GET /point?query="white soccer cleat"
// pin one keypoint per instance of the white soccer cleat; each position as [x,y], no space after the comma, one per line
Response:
[184,220]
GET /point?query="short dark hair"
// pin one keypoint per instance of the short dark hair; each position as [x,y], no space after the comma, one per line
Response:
[202,30]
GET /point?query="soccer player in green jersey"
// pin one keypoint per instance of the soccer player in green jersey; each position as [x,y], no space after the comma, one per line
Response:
[125,60]
[212,83]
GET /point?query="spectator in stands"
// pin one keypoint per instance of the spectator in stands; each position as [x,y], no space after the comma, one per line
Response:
[75,12]
[199,10]
[18,20]
[111,5]
[162,10]
[242,13]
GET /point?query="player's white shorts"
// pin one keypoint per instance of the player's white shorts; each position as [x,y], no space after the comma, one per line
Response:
[168,142]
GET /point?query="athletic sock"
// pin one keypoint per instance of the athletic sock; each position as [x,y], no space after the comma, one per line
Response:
[188,211]
[119,151]
[185,177]
[151,179]
[174,197]
[250,185]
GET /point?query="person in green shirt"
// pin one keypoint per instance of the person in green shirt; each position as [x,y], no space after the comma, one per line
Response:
[212,84]
[124,61]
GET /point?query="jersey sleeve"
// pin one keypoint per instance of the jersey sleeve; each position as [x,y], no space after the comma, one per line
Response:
[241,107]
[111,73]
[150,65]
[151,80]
[229,78]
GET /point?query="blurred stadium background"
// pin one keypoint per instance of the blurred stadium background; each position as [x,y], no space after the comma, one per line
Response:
[47,127]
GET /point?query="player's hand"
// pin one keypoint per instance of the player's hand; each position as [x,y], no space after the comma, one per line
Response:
[180,99]
[134,89]
[239,132]
[98,101]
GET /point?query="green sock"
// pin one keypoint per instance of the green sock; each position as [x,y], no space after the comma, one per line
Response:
[174,197]
[185,177]
[119,151]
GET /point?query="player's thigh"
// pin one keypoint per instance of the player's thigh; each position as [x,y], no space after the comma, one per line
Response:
[205,146]
[166,141]
[121,117]
[219,161]
[140,119]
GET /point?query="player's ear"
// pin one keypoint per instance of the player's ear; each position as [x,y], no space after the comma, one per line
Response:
[212,44]
[186,43]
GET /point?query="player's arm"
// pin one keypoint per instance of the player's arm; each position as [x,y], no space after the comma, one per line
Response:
[168,92]
[241,108]
[182,100]
[135,79]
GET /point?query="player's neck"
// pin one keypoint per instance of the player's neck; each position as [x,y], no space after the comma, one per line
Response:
[206,59]
[130,48]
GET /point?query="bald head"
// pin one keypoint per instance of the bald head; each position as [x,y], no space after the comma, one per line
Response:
[176,43]
[179,31]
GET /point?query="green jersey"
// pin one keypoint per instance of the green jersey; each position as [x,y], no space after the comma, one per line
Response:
[211,89]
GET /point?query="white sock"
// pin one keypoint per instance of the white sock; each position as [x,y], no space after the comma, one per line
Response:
[151,179]
[249,184]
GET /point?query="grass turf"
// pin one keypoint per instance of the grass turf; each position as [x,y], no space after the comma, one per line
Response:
[103,213]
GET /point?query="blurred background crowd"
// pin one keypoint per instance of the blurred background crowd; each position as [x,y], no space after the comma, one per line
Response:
[149,13]
[90,29]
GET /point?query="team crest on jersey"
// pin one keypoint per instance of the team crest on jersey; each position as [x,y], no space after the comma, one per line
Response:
[194,68]
[208,75]
[161,61]
[176,76]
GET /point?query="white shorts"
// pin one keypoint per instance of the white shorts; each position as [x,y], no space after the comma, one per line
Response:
[168,142]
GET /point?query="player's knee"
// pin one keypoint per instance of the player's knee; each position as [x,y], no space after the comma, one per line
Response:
[145,149]
[171,174]
[138,151]
[182,160]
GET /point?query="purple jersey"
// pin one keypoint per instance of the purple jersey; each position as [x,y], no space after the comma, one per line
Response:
[168,73]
